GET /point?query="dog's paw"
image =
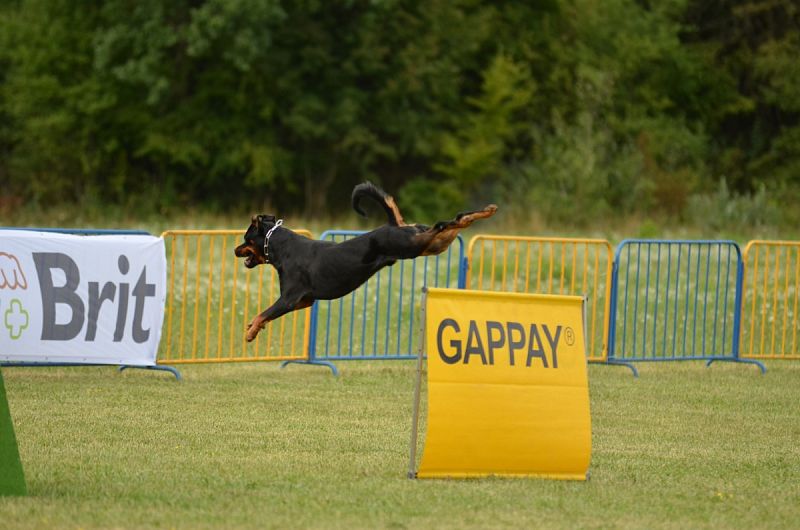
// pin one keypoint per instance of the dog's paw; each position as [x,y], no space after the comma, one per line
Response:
[252,333]
[492,208]
[252,330]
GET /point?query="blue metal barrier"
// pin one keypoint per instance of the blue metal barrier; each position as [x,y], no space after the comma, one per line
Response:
[676,300]
[378,320]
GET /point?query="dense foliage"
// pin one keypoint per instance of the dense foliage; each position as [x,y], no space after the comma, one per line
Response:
[574,108]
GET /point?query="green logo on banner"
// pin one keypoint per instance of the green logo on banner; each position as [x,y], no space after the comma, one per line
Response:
[12,479]
[16,319]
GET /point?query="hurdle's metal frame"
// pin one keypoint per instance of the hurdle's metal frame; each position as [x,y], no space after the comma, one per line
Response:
[737,309]
[326,360]
[87,232]
[412,446]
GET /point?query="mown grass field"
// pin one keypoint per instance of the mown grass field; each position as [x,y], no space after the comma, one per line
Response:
[253,446]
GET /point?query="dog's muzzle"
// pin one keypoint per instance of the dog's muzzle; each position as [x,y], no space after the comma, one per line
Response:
[251,257]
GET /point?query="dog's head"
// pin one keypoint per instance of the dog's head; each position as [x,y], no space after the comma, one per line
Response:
[252,250]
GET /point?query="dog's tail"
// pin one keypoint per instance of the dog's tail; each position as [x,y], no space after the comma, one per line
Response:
[368,189]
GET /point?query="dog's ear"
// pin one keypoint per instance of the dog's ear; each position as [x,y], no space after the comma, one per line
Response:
[256,226]
[258,222]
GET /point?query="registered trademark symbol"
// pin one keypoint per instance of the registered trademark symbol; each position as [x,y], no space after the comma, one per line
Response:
[569,336]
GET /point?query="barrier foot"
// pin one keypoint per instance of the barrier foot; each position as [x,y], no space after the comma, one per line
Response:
[170,369]
[628,365]
[315,362]
[162,368]
[760,365]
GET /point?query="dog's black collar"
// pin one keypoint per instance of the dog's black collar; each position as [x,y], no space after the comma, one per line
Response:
[278,223]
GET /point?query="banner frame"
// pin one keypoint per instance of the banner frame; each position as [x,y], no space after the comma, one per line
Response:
[86,232]
[412,465]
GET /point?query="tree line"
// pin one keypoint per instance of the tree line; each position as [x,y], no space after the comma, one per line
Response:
[577,109]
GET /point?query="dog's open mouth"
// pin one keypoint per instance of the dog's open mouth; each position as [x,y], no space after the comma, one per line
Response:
[251,258]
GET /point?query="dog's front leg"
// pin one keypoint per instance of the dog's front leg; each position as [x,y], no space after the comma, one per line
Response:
[276,310]
[279,308]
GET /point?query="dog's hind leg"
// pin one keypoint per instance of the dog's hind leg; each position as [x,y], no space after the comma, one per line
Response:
[464,219]
[276,310]
[436,239]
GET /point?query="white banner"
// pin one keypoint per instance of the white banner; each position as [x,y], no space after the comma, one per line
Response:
[81,299]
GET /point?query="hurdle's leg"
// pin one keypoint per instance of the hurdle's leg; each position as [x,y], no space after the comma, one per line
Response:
[625,364]
[758,363]
[314,362]
[159,367]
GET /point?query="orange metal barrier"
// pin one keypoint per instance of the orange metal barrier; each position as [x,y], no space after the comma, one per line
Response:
[548,266]
[211,297]
[770,300]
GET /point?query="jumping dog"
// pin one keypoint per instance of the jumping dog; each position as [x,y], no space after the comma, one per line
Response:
[311,270]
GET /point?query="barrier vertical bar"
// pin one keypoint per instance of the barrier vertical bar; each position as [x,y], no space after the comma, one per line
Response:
[208,297]
[655,308]
[677,289]
[612,328]
[705,295]
[796,294]
[737,314]
[716,300]
[785,305]
[196,298]
[666,296]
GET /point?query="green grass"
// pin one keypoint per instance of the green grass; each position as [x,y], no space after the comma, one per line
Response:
[252,446]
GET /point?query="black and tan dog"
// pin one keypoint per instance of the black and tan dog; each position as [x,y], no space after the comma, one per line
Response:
[311,270]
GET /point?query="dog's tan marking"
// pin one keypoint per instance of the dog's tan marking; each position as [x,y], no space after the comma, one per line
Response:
[398,217]
[261,320]
[471,217]
[439,241]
